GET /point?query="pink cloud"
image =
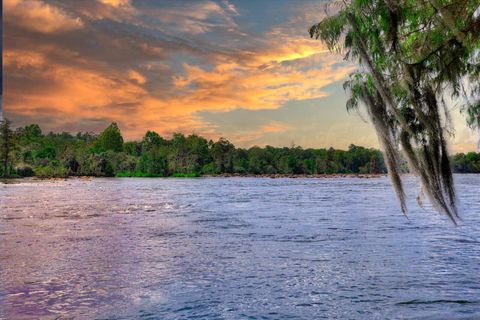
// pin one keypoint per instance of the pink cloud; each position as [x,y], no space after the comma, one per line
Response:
[41,17]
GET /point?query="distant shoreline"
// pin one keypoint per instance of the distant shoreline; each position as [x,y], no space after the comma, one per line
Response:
[296,176]
[61,155]
[223,175]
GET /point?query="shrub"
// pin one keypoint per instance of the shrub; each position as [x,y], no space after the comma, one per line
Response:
[50,172]
[186,175]
[24,171]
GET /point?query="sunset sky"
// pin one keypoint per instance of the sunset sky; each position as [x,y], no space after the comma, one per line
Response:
[245,70]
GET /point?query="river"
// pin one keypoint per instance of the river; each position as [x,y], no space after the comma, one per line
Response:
[234,248]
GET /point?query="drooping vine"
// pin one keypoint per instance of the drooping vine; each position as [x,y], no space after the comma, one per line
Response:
[410,54]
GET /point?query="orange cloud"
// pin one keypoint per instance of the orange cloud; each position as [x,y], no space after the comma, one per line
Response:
[115,3]
[23,59]
[39,16]
[275,127]
[115,10]
[231,86]
[130,80]
[137,76]
[164,65]
[289,48]
[124,97]
[94,94]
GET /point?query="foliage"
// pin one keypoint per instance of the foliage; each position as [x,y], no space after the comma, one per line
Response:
[50,172]
[186,175]
[466,163]
[8,146]
[222,154]
[181,156]
[24,171]
[153,162]
[411,55]
[61,154]
[110,139]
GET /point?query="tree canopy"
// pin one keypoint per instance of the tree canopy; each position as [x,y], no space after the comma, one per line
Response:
[7,145]
[411,56]
[110,139]
[63,154]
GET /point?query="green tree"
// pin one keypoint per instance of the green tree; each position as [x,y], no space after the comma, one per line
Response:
[152,140]
[70,162]
[120,161]
[96,165]
[8,144]
[473,162]
[133,148]
[110,139]
[240,161]
[411,51]
[154,161]
[178,154]
[198,153]
[30,133]
[223,153]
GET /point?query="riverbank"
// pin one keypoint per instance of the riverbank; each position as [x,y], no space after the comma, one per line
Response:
[296,176]
[223,175]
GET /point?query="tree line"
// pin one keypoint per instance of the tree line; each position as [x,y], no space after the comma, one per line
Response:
[27,151]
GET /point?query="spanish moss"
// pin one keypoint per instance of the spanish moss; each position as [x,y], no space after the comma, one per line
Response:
[409,55]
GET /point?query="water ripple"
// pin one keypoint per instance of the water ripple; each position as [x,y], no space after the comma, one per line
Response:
[239,248]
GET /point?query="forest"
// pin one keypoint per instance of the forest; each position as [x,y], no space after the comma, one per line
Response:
[27,151]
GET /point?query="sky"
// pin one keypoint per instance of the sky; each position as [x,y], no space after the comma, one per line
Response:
[241,69]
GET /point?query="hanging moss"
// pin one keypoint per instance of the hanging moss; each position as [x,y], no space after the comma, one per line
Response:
[410,53]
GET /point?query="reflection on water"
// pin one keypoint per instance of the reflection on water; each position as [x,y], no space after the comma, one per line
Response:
[234,248]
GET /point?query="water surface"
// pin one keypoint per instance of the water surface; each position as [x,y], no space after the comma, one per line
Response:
[234,248]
